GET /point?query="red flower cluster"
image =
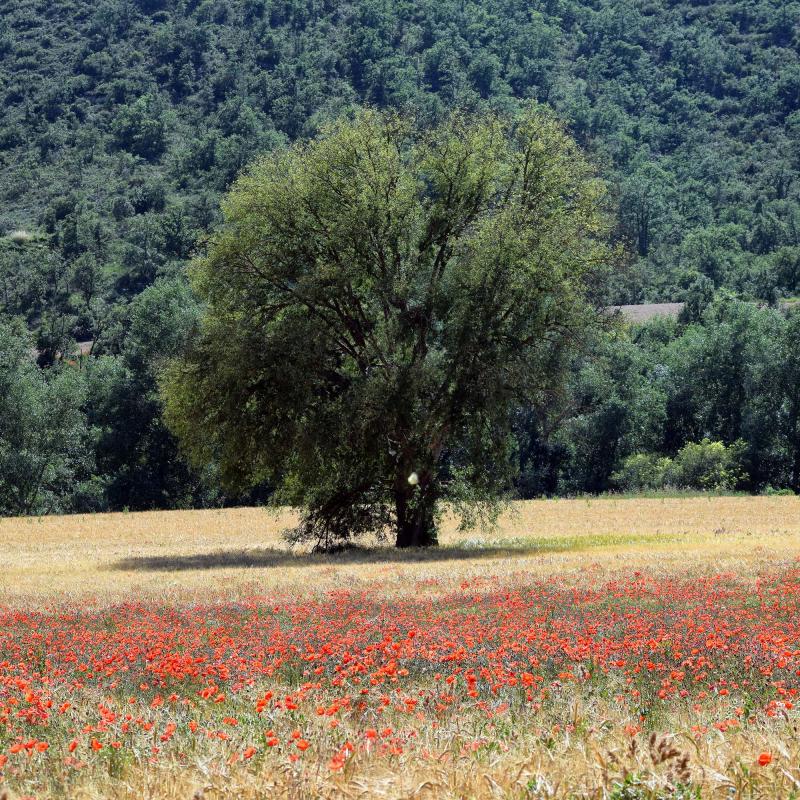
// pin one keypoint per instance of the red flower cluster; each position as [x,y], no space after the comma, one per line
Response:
[86,682]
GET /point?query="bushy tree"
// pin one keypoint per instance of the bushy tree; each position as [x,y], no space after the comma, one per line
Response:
[379,302]
[616,407]
[725,384]
[46,454]
[707,465]
[140,128]
[136,454]
[642,471]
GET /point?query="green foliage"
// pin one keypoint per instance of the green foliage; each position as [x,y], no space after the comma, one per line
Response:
[635,787]
[643,472]
[705,465]
[134,450]
[139,128]
[618,407]
[379,303]
[770,491]
[46,461]
[646,393]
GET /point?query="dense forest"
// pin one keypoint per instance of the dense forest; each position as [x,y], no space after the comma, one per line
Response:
[124,121]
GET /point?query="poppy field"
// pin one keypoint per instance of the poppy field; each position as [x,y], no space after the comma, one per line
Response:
[651,667]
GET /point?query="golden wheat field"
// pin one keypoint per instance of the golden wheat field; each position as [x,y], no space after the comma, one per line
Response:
[590,648]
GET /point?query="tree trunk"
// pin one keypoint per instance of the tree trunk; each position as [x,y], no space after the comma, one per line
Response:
[414,507]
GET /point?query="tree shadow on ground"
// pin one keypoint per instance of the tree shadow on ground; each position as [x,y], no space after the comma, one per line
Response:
[268,557]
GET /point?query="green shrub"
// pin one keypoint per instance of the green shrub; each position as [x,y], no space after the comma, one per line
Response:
[771,491]
[642,472]
[707,465]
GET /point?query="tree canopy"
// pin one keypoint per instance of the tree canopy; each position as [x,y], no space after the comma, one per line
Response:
[379,302]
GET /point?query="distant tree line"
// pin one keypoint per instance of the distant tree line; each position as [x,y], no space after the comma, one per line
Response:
[711,404]
[709,401]
[124,120]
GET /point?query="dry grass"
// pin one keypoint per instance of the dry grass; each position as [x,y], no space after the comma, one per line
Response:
[105,557]
[209,556]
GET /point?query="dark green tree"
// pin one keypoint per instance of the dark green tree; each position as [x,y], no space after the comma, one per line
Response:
[135,453]
[790,386]
[46,447]
[617,401]
[140,128]
[380,301]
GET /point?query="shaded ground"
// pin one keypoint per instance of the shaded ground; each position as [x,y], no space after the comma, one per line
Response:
[187,554]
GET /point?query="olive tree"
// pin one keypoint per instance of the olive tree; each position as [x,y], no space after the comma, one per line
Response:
[378,303]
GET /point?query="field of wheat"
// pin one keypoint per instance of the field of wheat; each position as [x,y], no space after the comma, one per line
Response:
[603,648]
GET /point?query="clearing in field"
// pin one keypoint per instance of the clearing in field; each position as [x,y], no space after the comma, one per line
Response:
[587,648]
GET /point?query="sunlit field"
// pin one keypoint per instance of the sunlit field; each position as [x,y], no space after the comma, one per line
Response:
[606,648]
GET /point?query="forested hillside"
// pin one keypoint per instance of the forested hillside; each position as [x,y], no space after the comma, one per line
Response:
[125,120]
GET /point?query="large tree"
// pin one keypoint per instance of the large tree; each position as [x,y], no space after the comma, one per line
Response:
[379,302]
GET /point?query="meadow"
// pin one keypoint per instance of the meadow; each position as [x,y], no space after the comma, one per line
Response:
[591,648]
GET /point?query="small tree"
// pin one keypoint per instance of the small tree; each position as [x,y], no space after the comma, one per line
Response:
[707,465]
[379,302]
[642,472]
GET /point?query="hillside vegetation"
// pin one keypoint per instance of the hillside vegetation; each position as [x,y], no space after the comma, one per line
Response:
[125,120]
